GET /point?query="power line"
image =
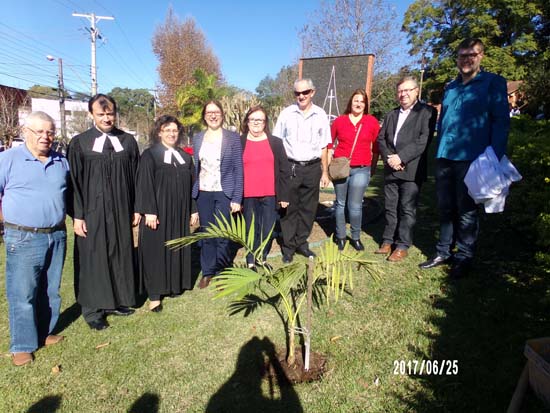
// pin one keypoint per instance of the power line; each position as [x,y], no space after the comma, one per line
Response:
[48,48]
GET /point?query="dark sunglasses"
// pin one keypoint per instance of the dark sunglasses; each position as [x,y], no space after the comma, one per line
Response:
[303,92]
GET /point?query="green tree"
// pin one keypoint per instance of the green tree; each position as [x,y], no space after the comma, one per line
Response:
[43,92]
[135,109]
[507,27]
[191,97]
[278,91]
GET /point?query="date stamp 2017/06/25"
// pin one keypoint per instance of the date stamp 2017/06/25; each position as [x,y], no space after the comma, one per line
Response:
[425,367]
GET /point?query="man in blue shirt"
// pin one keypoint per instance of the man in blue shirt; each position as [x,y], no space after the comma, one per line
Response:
[33,184]
[474,115]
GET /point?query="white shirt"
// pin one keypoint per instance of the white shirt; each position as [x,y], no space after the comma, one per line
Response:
[210,156]
[403,115]
[304,136]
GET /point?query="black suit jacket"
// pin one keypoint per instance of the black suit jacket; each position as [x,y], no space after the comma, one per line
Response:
[413,139]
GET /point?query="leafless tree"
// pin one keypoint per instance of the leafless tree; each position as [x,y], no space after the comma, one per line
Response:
[10,100]
[181,48]
[349,27]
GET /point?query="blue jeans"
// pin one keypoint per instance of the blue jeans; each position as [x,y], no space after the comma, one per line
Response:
[353,188]
[265,215]
[34,263]
[458,213]
[216,253]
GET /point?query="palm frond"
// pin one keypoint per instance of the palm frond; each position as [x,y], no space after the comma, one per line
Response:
[236,282]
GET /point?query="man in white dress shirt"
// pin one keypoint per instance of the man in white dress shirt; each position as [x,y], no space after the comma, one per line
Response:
[305,131]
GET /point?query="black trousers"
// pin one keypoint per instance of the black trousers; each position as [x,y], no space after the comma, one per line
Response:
[297,222]
[400,200]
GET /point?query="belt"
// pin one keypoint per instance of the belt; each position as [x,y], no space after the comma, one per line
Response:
[305,163]
[359,166]
[58,227]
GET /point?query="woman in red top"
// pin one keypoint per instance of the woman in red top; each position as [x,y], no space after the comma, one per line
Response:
[355,121]
[266,174]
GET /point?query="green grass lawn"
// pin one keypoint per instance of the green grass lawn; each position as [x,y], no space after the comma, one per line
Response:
[194,357]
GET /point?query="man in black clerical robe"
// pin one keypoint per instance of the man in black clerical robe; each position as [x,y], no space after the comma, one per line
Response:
[103,164]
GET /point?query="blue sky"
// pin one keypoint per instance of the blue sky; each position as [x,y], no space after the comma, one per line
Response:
[251,39]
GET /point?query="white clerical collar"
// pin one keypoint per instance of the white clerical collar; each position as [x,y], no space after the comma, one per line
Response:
[100,142]
[168,156]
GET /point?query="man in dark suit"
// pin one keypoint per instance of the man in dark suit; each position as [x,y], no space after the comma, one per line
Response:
[405,135]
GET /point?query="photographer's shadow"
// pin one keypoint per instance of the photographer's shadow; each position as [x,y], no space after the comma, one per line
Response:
[252,388]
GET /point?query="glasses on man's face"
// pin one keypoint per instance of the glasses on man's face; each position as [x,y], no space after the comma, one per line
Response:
[213,113]
[467,56]
[256,120]
[303,92]
[48,133]
[405,91]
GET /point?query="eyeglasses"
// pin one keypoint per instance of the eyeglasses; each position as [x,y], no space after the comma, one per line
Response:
[251,120]
[49,133]
[303,92]
[403,91]
[464,56]
[213,113]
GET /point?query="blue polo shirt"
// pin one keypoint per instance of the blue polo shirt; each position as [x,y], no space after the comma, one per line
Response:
[33,193]
[474,116]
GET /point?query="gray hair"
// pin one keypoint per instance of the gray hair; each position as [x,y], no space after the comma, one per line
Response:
[39,115]
[407,79]
[307,81]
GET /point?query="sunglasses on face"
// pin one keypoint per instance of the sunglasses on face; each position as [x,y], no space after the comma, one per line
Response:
[303,92]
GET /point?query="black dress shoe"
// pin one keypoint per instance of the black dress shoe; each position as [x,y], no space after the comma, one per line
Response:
[341,242]
[357,244]
[98,325]
[287,258]
[434,262]
[459,269]
[306,252]
[157,309]
[120,311]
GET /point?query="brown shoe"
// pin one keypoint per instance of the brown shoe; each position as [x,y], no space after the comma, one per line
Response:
[398,255]
[53,339]
[205,281]
[20,359]
[384,249]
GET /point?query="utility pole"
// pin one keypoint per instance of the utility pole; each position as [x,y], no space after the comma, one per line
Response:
[422,65]
[61,94]
[94,33]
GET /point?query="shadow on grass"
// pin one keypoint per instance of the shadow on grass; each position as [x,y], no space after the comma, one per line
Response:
[48,404]
[250,389]
[481,321]
[67,317]
[147,403]
[372,211]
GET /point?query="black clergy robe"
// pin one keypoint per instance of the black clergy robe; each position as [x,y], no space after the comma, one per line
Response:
[164,189]
[103,196]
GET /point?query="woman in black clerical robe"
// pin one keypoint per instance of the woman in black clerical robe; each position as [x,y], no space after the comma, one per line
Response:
[163,196]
